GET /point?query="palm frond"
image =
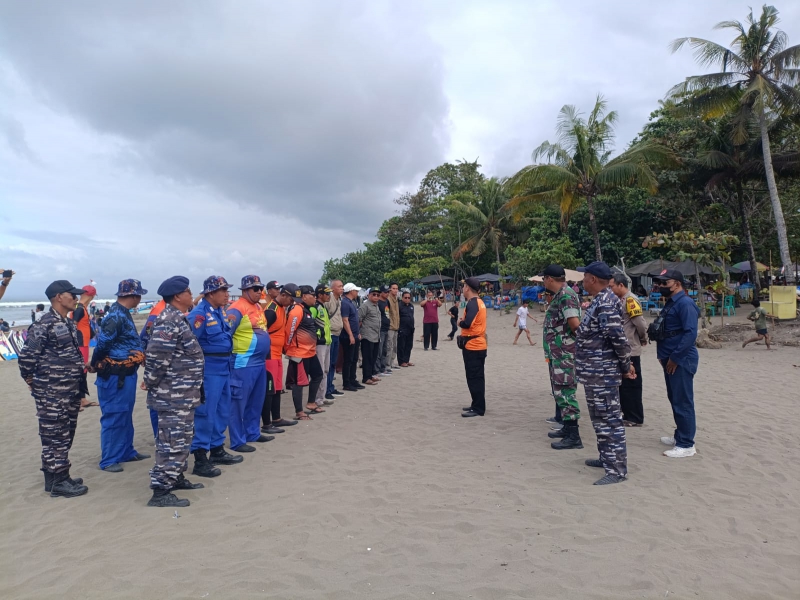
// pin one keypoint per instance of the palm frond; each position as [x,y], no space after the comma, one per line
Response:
[790,57]
[625,174]
[540,178]
[715,159]
[708,53]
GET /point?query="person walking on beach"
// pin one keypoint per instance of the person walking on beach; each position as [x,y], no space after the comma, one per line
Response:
[602,359]
[561,321]
[51,364]
[430,320]
[630,392]
[350,339]
[405,332]
[369,323]
[82,320]
[173,378]
[251,347]
[675,332]
[300,347]
[472,342]
[453,312]
[334,307]
[759,317]
[116,359]
[521,323]
[209,323]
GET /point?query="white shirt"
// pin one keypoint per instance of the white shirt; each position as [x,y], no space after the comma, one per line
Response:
[522,313]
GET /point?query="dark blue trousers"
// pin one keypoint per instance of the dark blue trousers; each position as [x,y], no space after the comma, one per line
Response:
[116,420]
[248,388]
[154,422]
[211,417]
[334,357]
[680,391]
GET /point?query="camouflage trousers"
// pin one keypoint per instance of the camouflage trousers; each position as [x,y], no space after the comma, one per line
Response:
[565,394]
[58,418]
[173,443]
[606,415]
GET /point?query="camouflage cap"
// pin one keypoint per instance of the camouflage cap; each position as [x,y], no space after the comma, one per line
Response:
[214,283]
[251,281]
[130,287]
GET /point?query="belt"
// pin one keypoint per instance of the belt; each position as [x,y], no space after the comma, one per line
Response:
[670,334]
[224,354]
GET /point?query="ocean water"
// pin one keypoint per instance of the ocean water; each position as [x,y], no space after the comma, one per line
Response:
[19,313]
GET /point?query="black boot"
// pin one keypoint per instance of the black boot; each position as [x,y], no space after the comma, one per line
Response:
[184,484]
[202,466]
[220,457]
[48,481]
[66,487]
[165,499]
[557,433]
[571,440]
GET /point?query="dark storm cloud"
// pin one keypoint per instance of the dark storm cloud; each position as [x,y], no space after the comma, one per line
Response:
[301,108]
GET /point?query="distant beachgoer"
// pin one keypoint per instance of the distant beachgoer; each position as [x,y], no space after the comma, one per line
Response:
[453,312]
[39,312]
[4,326]
[759,317]
[521,323]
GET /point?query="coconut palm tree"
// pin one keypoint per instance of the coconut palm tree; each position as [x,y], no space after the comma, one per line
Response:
[484,217]
[758,79]
[579,167]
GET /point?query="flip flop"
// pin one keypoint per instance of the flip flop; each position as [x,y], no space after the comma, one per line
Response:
[92,403]
[315,411]
[303,417]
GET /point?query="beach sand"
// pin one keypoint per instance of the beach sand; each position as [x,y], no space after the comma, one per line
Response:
[391,494]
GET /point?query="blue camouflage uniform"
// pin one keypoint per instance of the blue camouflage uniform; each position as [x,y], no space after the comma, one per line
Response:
[213,332]
[602,356]
[117,357]
[173,375]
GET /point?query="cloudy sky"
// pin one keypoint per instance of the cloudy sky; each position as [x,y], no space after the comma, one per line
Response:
[145,139]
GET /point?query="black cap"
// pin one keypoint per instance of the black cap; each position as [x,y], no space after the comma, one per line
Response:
[291,289]
[61,286]
[665,274]
[306,289]
[553,271]
[273,285]
[473,282]
[173,286]
[322,289]
[599,269]
[384,289]
[374,290]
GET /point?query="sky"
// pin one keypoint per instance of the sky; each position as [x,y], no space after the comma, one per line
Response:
[149,139]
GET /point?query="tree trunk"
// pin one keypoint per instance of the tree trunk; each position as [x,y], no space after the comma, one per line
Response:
[748,240]
[597,251]
[777,211]
[700,302]
[497,254]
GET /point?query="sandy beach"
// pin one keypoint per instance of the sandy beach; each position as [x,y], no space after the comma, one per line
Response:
[391,494]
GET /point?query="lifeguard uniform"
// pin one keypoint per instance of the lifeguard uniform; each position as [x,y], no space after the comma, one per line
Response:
[473,326]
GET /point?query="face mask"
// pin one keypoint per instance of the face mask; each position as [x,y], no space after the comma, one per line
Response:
[665,291]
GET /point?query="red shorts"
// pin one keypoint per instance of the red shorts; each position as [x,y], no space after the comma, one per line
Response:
[85,353]
[275,368]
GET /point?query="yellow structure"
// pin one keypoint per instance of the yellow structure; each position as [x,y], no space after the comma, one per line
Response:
[782,302]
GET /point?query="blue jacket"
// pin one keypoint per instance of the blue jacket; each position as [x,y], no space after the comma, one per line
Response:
[680,327]
[118,337]
[211,328]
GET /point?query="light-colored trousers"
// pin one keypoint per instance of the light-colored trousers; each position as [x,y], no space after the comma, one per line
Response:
[324,356]
[391,349]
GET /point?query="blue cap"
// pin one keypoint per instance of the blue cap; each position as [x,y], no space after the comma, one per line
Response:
[173,286]
[251,281]
[214,283]
[598,269]
[130,287]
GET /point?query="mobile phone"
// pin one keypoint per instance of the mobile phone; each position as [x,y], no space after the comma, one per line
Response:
[8,273]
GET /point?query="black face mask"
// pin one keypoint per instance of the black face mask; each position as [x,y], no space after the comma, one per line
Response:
[665,291]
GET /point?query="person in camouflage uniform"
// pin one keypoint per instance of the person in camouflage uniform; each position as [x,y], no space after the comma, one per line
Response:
[560,323]
[173,376]
[602,358]
[52,365]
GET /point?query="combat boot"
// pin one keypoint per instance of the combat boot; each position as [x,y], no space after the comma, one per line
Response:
[558,433]
[48,481]
[202,466]
[220,457]
[184,484]
[66,487]
[571,440]
[165,499]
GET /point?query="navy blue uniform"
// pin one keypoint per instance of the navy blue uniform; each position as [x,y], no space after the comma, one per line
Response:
[680,334]
[211,328]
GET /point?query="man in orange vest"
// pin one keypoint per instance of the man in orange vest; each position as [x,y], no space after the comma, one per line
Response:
[275,312]
[472,342]
[83,324]
[300,346]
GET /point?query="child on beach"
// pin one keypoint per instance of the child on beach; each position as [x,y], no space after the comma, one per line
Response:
[759,316]
[521,321]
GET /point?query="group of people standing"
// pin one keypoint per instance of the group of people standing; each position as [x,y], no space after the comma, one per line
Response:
[601,349]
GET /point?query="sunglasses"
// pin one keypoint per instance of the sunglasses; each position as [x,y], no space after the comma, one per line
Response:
[257,290]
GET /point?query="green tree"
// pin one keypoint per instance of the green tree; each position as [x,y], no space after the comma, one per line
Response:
[758,78]
[485,217]
[546,245]
[579,167]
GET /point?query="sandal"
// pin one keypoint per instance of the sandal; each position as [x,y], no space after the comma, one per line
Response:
[314,411]
[303,417]
[631,424]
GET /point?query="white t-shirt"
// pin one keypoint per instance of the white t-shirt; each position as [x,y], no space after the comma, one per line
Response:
[522,313]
